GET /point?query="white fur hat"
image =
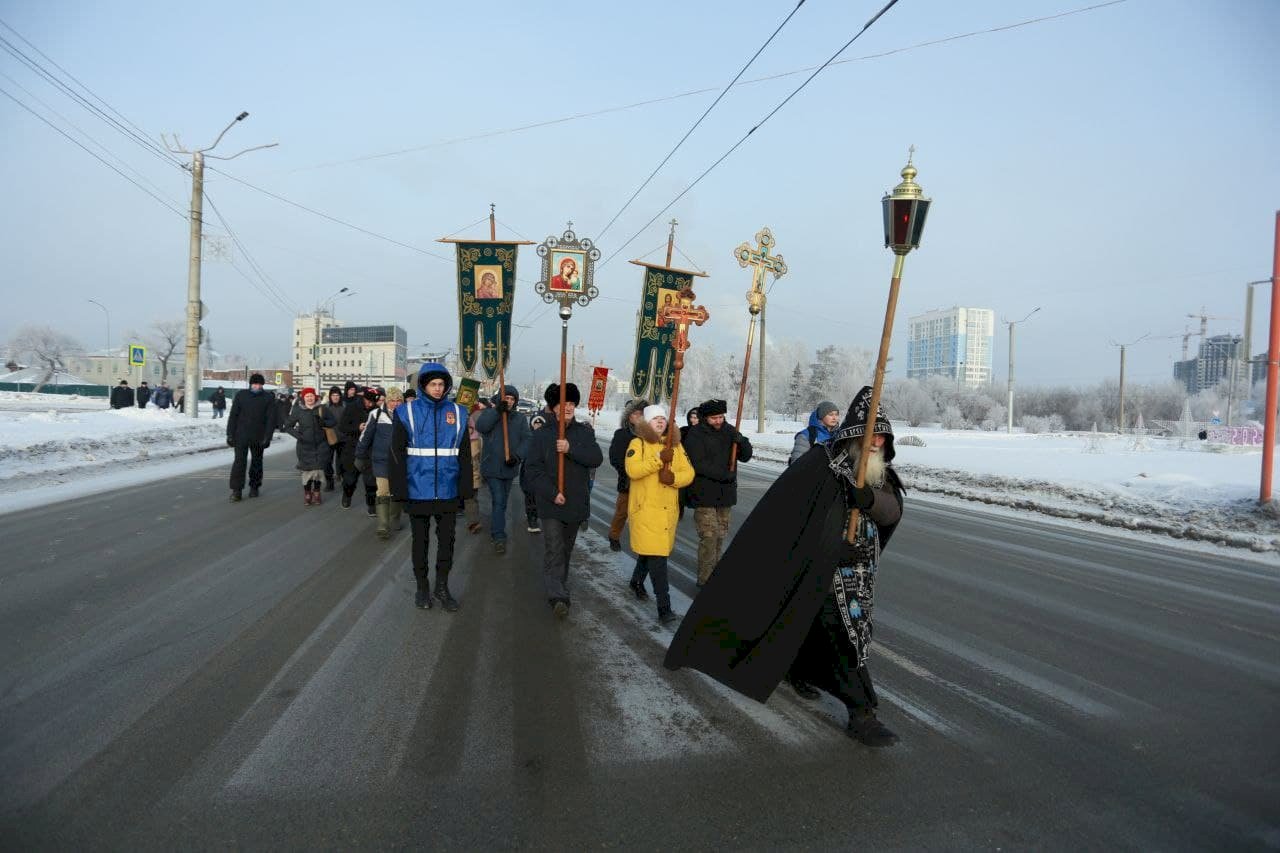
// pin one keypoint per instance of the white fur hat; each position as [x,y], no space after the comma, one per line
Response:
[651,412]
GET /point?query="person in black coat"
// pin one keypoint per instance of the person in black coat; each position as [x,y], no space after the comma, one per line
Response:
[714,489]
[792,597]
[561,512]
[218,401]
[144,394]
[122,396]
[250,427]
[306,423]
[632,415]
[355,411]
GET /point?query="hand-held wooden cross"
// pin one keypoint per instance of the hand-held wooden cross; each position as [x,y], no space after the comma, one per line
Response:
[680,316]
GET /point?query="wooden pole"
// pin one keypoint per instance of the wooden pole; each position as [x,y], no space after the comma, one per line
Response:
[502,391]
[564,347]
[742,390]
[1273,374]
[851,535]
[493,224]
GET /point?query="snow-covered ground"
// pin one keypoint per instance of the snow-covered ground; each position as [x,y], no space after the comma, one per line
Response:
[1183,489]
[54,447]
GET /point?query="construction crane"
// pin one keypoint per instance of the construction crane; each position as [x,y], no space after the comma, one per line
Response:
[1204,328]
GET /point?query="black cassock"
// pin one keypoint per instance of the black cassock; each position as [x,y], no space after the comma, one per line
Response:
[749,623]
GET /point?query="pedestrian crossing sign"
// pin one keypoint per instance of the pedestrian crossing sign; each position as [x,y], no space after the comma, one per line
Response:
[137,355]
[279,377]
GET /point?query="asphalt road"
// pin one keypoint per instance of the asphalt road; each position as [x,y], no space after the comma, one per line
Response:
[179,671]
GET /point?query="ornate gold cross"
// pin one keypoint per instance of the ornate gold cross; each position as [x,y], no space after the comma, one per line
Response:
[764,263]
[681,316]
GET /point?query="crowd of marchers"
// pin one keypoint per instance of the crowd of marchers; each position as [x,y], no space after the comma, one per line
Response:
[789,599]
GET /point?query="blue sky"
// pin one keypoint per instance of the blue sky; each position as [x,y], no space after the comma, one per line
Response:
[1115,168]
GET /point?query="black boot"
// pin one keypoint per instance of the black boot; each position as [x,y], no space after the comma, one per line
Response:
[328,484]
[347,492]
[371,505]
[866,729]
[638,588]
[253,491]
[803,689]
[422,599]
[236,495]
[442,592]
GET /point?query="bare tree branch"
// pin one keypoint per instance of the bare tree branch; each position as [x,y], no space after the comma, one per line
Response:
[47,346]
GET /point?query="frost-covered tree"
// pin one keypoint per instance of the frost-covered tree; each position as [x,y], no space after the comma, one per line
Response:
[164,338]
[908,400]
[798,395]
[46,346]
[951,418]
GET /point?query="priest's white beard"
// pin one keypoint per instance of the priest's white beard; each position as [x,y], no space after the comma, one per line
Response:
[875,468]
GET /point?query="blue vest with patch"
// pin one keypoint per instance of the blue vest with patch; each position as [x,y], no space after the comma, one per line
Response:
[436,432]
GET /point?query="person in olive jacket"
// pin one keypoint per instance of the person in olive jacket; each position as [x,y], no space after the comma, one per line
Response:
[561,512]
[250,426]
[714,489]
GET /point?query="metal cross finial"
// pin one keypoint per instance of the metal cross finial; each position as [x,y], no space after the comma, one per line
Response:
[763,262]
[673,225]
[911,152]
[570,224]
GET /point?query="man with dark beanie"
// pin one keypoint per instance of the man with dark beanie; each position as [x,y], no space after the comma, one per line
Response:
[561,512]
[632,417]
[250,426]
[333,413]
[500,460]
[354,413]
[714,489]
[430,471]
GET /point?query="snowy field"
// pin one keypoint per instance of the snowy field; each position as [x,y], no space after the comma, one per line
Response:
[1186,490]
[54,447]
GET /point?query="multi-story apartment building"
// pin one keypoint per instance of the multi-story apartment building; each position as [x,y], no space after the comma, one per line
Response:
[953,342]
[375,355]
[1217,357]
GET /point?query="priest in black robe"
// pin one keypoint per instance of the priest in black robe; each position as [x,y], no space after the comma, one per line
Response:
[792,594]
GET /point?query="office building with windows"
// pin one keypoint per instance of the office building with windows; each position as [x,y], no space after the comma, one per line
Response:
[323,347]
[1218,357]
[956,343]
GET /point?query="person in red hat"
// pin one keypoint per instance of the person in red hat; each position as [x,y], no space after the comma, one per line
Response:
[306,423]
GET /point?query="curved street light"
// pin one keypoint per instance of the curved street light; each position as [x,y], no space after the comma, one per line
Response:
[1011,324]
[108,313]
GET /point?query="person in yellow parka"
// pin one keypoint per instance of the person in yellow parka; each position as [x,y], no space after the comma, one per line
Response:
[653,506]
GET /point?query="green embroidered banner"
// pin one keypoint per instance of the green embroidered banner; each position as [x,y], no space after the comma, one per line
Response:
[486,292]
[653,373]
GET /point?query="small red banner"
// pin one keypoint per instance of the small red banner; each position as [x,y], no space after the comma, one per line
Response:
[599,384]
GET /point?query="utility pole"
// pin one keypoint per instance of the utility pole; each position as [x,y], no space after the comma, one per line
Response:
[1011,324]
[195,309]
[760,407]
[1120,424]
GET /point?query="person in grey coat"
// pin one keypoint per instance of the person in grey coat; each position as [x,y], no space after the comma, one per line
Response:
[498,467]
[374,452]
[306,423]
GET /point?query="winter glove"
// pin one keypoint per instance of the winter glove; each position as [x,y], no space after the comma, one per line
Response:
[666,476]
[361,464]
[231,442]
[863,497]
[666,455]
[511,461]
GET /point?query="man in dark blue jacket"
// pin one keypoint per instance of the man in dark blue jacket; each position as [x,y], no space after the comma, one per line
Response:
[430,468]
[498,466]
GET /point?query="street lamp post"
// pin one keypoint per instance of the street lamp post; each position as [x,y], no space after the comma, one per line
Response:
[1120,421]
[108,313]
[905,210]
[315,347]
[1011,324]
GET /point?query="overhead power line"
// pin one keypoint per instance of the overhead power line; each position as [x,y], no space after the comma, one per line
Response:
[136,138]
[333,219]
[273,291]
[701,91]
[754,128]
[91,153]
[702,117]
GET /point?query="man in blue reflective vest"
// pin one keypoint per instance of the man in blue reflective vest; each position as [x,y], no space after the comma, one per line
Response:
[430,470]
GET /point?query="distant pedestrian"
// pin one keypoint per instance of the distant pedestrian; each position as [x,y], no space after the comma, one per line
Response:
[284,405]
[561,512]
[373,456]
[122,396]
[657,473]
[162,396]
[430,469]
[249,430]
[354,413]
[714,490]
[471,506]
[219,403]
[144,394]
[306,423]
[632,417]
[180,397]
[822,420]
[333,405]
[504,449]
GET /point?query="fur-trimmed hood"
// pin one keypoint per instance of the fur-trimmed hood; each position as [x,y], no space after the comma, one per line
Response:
[645,432]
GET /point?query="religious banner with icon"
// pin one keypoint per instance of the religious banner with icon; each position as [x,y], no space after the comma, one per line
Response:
[486,293]
[653,371]
[599,388]
[468,392]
